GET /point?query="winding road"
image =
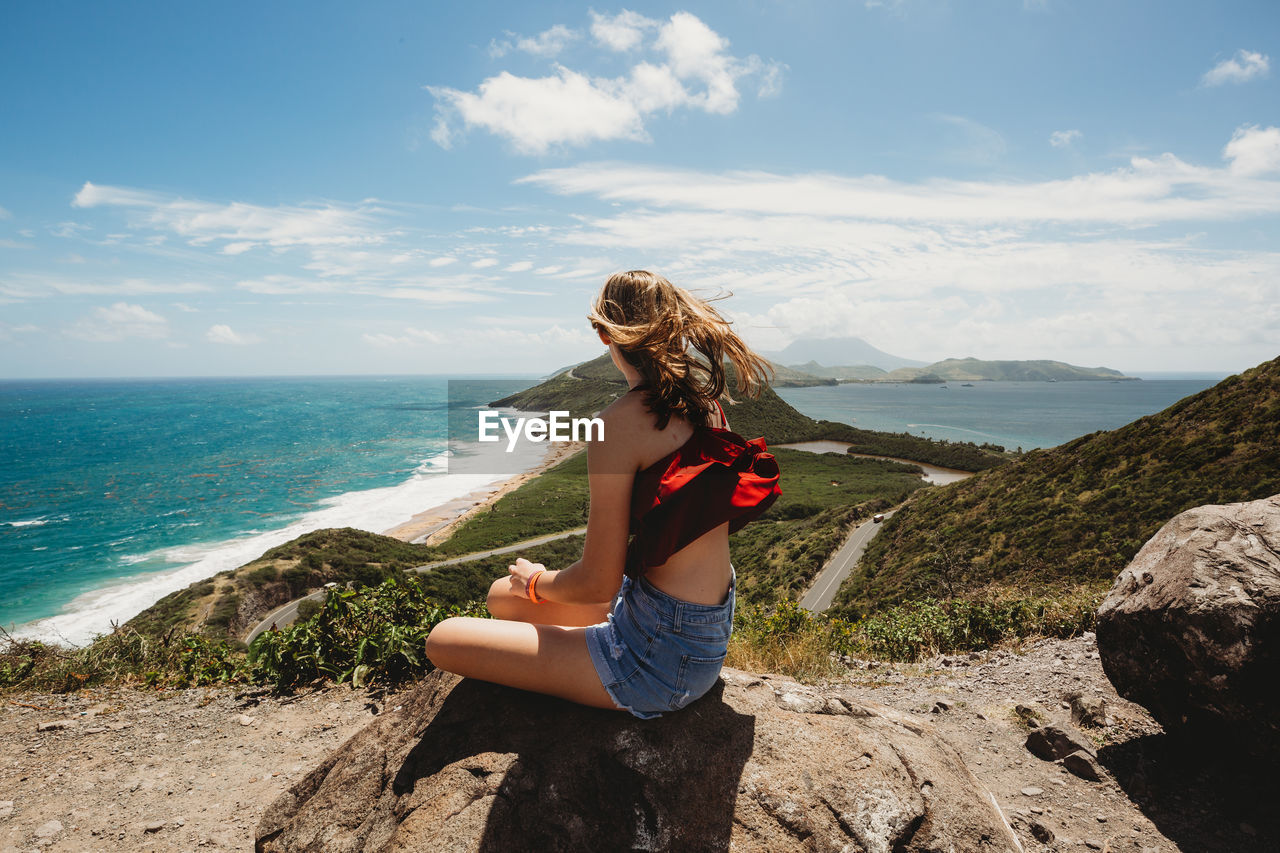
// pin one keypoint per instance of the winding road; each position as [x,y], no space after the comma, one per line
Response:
[823,591]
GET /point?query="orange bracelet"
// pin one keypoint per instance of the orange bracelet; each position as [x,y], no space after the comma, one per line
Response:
[533,582]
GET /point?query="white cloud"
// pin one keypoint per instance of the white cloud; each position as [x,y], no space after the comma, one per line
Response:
[128,287]
[119,322]
[441,262]
[410,337]
[221,333]
[1253,150]
[546,44]
[621,32]
[1244,66]
[1148,190]
[238,225]
[484,263]
[4,214]
[1063,138]
[693,69]
[520,266]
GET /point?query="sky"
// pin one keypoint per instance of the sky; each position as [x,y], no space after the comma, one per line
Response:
[294,188]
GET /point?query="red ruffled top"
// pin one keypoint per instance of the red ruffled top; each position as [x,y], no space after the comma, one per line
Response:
[716,476]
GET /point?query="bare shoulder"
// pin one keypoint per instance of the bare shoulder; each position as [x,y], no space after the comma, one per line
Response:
[628,426]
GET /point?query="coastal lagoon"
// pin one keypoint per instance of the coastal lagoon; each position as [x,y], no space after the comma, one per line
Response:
[115,493]
[1011,414]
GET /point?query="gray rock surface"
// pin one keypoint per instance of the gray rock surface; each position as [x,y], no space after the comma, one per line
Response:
[761,763]
[1191,628]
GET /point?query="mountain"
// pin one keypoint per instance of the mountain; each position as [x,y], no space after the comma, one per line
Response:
[977,370]
[1074,515]
[849,350]
[858,372]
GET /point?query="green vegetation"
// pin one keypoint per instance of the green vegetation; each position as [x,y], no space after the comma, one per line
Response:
[376,633]
[1075,515]
[961,455]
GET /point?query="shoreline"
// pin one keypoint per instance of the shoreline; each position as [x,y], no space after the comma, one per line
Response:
[435,524]
[933,474]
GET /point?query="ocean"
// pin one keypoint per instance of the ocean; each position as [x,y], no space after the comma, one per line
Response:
[1010,414]
[115,493]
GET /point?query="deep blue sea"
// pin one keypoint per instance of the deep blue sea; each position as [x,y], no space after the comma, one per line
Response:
[115,493]
[1010,414]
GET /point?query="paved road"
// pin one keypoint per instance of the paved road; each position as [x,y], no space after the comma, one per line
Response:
[823,591]
[287,614]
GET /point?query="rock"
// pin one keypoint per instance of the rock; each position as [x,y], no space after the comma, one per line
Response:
[54,725]
[1056,741]
[153,826]
[1042,833]
[1087,710]
[246,720]
[1191,627]
[6,809]
[48,830]
[1032,791]
[468,765]
[1084,765]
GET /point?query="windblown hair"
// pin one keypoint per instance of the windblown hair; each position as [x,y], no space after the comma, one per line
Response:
[677,342]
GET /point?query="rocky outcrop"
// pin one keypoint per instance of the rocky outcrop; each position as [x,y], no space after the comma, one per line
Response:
[1190,628]
[759,763]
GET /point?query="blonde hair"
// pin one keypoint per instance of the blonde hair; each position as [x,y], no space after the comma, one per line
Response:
[662,330]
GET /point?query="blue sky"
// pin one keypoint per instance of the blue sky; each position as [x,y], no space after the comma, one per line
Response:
[308,188]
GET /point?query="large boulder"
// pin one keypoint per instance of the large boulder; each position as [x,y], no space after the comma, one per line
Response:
[759,763]
[1189,630]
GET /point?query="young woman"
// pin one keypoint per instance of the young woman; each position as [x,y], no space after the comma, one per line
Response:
[641,623]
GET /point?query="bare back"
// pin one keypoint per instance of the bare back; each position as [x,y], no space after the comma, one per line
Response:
[700,571]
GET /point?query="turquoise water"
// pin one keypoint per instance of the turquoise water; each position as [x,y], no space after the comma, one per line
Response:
[1011,414]
[104,481]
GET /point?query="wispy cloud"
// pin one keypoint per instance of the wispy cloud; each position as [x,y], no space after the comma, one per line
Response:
[410,337]
[687,66]
[119,322]
[1063,138]
[546,44]
[221,333]
[239,226]
[1246,65]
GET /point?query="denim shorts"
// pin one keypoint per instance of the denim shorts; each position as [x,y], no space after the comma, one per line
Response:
[656,653]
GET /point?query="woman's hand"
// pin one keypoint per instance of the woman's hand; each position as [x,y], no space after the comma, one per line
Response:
[521,571]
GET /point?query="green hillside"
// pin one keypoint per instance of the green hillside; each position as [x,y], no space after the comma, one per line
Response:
[977,370]
[1076,514]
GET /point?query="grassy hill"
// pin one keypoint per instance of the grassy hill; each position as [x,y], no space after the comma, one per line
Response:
[977,370]
[1076,514]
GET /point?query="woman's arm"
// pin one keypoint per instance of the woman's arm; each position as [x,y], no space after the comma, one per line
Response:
[596,577]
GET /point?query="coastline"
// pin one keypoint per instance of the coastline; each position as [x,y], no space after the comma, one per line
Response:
[435,524]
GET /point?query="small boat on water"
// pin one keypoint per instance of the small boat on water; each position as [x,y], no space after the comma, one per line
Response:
[966,385]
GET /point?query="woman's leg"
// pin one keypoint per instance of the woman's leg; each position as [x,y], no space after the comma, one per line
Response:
[504,604]
[543,658]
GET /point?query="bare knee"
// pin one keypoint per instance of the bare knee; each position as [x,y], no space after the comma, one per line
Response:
[442,642]
[500,602]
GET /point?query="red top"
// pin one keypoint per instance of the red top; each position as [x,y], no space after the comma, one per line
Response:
[714,477]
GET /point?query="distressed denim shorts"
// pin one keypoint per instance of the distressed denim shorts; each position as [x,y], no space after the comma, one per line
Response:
[656,653]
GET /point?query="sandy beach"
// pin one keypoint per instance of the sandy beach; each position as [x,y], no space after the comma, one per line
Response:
[435,524]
